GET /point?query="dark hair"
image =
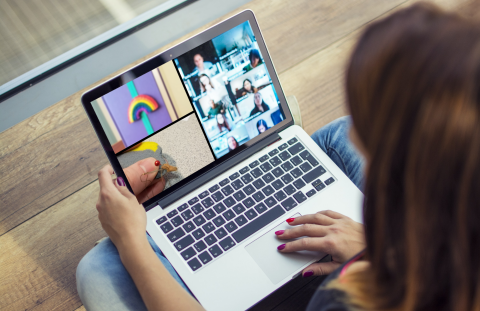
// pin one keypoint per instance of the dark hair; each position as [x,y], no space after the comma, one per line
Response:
[225,123]
[202,87]
[243,85]
[254,53]
[236,143]
[413,91]
[262,122]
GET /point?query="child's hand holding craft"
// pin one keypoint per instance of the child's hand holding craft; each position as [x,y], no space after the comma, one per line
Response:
[145,186]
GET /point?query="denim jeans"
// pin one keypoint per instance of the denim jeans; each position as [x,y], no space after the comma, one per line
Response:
[103,283]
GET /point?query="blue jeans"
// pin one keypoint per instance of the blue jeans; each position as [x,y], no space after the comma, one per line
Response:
[103,283]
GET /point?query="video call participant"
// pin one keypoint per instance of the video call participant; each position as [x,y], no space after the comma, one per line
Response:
[260,105]
[232,143]
[214,109]
[246,89]
[222,122]
[255,60]
[262,126]
[200,65]
[212,88]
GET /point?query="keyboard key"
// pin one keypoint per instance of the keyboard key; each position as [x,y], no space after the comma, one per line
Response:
[311,192]
[227,243]
[219,208]
[278,184]
[205,257]
[198,208]
[208,202]
[287,178]
[172,213]
[257,224]
[247,178]
[249,189]
[234,176]
[277,172]
[241,220]
[239,208]
[268,190]
[283,147]
[254,163]
[231,226]
[161,220]
[289,203]
[215,251]
[209,213]
[184,243]
[266,167]
[220,233]
[290,189]
[224,182]
[259,183]
[305,166]
[329,181]
[218,221]
[299,184]
[194,264]
[167,227]
[308,157]
[258,196]
[284,156]
[237,184]
[182,207]
[275,161]
[270,201]
[296,148]
[229,215]
[200,246]
[251,214]
[193,201]
[296,160]
[316,182]
[320,186]
[260,208]
[268,178]
[199,220]
[176,234]
[189,226]
[249,202]
[227,190]
[177,221]
[314,174]
[208,227]
[188,253]
[264,158]
[287,166]
[300,197]
[210,239]
[244,170]
[198,234]
[296,173]
[229,201]
[280,196]
[273,152]
[257,172]
[213,188]
[204,194]
[218,196]
[292,141]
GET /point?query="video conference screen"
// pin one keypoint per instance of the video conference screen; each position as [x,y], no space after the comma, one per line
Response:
[193,110]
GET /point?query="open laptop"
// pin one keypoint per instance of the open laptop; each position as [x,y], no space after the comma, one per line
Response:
[215,107]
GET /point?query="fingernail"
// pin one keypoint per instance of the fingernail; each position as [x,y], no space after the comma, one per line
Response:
[279,232]
[289,220]
[157,163]
[280,247]
[308,274]
[120,181]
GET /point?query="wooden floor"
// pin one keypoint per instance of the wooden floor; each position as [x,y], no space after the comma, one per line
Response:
[49,162]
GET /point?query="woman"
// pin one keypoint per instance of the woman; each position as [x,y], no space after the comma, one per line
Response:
[262,126]
[416,119]
[222,122]
[247,88]
[255,60]
[210,87]
[232,143]
[260,105]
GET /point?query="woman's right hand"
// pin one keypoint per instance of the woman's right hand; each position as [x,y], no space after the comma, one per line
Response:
[328,232]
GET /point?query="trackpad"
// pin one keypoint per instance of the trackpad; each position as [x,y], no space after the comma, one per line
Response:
[276,265]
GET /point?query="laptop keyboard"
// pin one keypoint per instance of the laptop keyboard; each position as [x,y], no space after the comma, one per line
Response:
[230,211]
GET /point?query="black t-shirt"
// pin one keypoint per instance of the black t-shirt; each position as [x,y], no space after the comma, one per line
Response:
[255,110]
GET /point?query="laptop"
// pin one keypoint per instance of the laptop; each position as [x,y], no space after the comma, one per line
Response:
[212,111]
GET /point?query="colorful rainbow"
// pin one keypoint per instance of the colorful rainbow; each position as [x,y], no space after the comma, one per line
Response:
[139,104]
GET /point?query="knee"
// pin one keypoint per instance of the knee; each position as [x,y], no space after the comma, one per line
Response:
[327,135]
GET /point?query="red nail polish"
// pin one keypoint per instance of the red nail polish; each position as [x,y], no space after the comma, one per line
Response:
[280,247]
[279,232]
[157,163]
[308,274]
[289,220]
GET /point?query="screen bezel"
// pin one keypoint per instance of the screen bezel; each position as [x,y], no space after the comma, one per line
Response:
[170,55]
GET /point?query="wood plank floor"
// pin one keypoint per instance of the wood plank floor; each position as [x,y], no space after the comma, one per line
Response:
[49,162]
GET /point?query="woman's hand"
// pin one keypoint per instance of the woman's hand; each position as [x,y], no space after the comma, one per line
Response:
[326,231]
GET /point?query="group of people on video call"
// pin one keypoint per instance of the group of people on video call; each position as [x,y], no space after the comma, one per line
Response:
[217,106]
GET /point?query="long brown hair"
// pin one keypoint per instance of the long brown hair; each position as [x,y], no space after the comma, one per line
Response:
[413,90]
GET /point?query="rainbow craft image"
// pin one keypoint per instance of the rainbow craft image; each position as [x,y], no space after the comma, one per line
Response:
[139,108]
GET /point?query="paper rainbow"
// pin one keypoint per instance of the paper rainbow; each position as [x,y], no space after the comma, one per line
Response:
[139,104]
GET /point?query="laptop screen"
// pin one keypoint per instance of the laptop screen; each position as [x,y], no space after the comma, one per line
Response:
[193,110]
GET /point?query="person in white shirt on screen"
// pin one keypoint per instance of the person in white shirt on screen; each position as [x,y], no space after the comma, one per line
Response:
[222,123]
[211,87]
[201,65]
[232,143]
